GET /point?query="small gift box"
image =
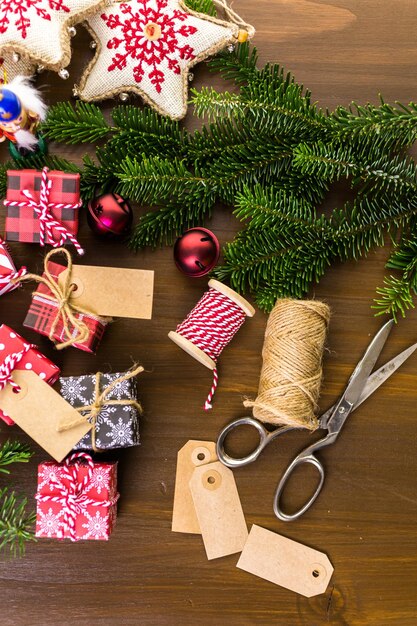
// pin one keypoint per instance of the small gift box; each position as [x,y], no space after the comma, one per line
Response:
[42,207]
[76,499]
[110,404]
[51,312]
[18,354]
[8,271]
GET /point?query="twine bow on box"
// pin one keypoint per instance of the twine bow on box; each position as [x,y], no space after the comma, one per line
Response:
[72,497]
[92,411]
[61,294]
[47,222]
[9,364]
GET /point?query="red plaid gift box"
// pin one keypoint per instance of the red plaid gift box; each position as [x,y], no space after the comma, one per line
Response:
[16,353]
[43,312]
[7,270]
[76,499]
[42,207]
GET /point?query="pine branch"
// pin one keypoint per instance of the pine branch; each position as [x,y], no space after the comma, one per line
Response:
[202,6]
[284,259]
[13,452]
[72,124]
[16,524]
[238,64]
[397,126]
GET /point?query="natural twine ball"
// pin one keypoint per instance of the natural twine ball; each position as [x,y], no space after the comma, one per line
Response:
[291,374]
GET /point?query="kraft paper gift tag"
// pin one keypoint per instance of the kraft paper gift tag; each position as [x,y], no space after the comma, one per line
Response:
[219,512]
[38,410]
[285,562]
[192,455]
[112,292]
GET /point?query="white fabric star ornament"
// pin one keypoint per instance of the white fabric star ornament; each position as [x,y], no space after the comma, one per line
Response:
[9,68]
[38,29]
[148,47]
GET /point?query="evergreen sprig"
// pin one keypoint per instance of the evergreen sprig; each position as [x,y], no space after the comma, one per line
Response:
[16,523]
[269,151]
[13,452]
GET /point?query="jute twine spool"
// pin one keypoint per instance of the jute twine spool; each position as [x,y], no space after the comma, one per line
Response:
[291,373]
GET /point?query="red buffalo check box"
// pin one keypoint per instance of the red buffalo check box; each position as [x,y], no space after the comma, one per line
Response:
[43,312]
[31,359]
[25,211]
[76,499]
[8,270]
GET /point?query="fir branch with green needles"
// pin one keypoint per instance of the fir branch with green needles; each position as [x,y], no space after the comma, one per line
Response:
[16,523]
[271,153]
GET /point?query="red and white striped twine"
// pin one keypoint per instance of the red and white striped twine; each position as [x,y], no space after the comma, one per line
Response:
[47,223]
[71,496]
[9,364]
[6,279]
[211,326]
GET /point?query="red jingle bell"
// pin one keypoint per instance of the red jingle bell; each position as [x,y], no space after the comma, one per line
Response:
[196,252]
[110,216]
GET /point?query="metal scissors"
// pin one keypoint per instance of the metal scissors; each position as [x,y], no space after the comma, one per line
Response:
[360,386]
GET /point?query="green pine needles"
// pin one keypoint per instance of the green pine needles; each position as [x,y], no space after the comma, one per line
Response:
[271,153]
[16,524]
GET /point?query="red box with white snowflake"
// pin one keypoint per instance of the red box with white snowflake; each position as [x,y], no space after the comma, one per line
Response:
[26,356]
[76,499]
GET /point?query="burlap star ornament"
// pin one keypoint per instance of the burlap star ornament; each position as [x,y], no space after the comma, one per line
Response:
[148,47]
[38,29]
[9,68]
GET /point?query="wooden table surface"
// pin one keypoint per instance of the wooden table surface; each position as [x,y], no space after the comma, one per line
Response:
[365,518]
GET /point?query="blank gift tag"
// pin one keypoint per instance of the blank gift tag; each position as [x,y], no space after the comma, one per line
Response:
[112,292]
[285,562]
[192,455]
[38,410]
[219,512]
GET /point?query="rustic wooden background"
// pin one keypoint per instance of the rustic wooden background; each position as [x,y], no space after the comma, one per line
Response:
[365,518]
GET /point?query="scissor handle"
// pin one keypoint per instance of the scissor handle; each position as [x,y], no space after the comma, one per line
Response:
[265,436]
[307,456]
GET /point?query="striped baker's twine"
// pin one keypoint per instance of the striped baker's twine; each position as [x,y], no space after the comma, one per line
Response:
[71,495]
[210,326]
[42,207]
[6,279]
[9,364]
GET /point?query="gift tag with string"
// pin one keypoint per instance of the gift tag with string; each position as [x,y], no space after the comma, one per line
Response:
[192,455]
[218,508]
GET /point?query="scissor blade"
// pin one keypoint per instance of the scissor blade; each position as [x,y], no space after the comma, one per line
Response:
[375,380]
[365,366]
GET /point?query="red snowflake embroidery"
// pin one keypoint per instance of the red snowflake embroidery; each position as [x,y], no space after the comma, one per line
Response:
[19,11]
[149,34]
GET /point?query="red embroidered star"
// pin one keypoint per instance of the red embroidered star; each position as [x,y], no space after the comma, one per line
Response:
[148,46]
[23,23]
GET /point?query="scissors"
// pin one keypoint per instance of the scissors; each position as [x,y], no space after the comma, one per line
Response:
[360,386]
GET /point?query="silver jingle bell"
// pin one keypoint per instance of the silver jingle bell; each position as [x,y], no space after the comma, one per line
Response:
[93,45]
[63,73]
[190,77]
[75,91]
[72,31]
[16,57]
[123,96]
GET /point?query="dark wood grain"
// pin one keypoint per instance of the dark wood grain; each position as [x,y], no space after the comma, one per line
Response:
[365,518]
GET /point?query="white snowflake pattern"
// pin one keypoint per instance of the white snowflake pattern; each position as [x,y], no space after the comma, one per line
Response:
[97,527]
[125,389]
[73,390]
[48,476]
[100,479]
[120,433]
[48,524]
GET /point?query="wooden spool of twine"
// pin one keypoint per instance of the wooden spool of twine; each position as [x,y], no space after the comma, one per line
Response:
[291,374]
